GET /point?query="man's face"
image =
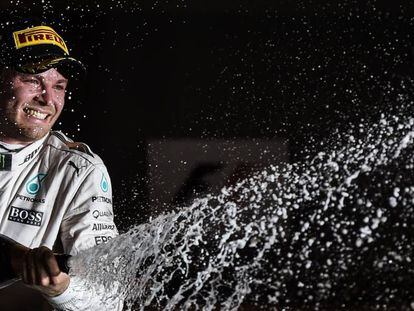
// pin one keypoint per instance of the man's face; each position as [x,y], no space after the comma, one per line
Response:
[30,104]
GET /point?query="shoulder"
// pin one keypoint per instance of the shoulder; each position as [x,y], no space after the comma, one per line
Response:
[65,148]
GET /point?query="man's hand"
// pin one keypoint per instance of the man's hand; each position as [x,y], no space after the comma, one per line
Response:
[39,269]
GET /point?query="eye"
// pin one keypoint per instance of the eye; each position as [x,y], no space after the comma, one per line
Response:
[34,82]
[60,87]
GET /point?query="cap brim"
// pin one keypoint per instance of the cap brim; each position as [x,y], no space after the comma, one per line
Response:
[69,67]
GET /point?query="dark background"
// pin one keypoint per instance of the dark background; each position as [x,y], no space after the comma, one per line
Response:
[305,72]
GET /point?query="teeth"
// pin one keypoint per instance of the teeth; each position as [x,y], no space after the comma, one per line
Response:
[34,113]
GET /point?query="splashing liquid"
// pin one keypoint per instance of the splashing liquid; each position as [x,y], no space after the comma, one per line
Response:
[334,232]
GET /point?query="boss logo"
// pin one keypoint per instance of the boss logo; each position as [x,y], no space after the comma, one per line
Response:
[25,216]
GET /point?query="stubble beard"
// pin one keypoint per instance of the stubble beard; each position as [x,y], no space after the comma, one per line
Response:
[16,130]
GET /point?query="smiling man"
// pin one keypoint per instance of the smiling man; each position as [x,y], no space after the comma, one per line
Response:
[31,104]
[49,185]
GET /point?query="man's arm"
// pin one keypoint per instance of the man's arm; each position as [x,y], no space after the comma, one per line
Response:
[7,274]
[36,267]
[88,222]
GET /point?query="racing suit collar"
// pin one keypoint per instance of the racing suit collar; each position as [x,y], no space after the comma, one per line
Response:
[10,161]
[5,147]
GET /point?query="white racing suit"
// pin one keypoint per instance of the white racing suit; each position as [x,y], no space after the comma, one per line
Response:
[57,193]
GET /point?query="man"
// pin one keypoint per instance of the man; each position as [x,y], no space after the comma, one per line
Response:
[55,195]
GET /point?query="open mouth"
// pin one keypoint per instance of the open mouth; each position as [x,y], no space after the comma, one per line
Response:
[34,113]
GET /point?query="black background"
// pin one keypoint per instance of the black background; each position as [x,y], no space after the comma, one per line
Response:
[306,71]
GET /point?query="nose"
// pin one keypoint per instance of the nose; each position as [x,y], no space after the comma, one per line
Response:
[45,96]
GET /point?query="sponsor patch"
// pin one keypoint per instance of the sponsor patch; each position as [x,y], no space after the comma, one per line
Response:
[97,214]
[103,226]
[30,155]
[71,163]
[102,239]
[28,199]
[38,35]
[34,184]
[104,184]
[101,199]
[5,162]
[25,216]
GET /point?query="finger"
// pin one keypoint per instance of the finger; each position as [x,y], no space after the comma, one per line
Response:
[60,279]
[30,268]
[23,269]
[42,277]
[50,263]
